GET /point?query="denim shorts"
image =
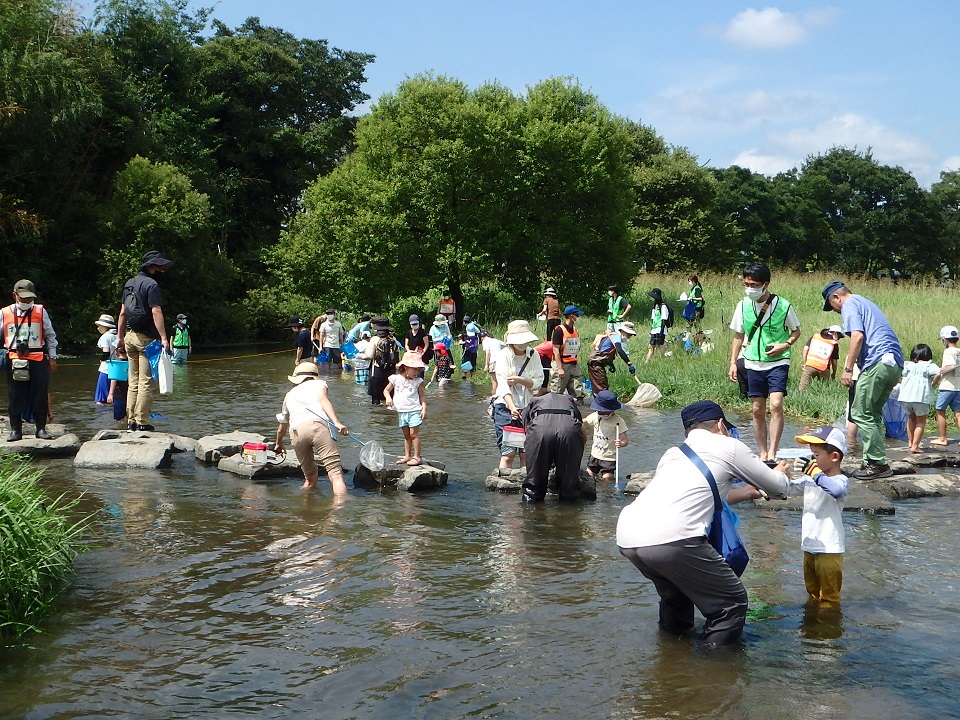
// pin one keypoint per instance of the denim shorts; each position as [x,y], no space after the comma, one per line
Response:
[948,399]
[763,382]
[410,419]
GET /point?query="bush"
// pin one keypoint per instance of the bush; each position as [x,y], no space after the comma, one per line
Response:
[39,544]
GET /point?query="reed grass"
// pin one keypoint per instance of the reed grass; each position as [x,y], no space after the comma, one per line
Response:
[39,540]
[916,311]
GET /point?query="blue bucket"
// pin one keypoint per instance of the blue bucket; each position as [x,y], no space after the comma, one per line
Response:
[349,349]
[118,370]
[467,366]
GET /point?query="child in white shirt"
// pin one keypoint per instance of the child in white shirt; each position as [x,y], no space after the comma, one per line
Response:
[609,433]
[404,393]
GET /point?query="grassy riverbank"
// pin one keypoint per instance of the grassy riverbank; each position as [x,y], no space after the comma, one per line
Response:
[39,543]
[916,312]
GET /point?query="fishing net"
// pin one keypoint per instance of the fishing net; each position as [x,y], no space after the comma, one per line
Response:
[371,456]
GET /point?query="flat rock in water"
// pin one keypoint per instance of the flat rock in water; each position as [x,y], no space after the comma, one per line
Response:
[917,486]
[862,498]
[288,467]
[211,448]
[62,445]
[426,476]
[112,449]
[637,482]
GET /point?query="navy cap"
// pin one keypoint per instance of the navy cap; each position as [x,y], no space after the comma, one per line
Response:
[829,290]
[606,401]
[702,411]
[572,310]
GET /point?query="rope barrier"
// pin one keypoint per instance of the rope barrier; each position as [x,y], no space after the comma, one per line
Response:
[235,357]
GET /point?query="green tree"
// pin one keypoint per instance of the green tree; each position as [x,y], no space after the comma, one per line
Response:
[945,196]
[448,187]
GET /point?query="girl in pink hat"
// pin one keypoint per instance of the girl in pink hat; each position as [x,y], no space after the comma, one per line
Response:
[404,393]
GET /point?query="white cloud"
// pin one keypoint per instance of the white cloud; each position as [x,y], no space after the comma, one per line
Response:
[763,164]
[950,164]
[773,28]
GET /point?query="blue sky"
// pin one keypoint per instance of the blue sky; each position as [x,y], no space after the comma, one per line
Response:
[762,86]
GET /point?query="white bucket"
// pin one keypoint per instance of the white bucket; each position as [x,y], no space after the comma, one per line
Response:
[255,453]
[513,436]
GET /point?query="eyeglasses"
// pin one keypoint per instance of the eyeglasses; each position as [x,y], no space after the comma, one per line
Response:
[754,285]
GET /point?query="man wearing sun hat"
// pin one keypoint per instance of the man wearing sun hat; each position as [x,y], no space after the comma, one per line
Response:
[664,531]
[606,347]
[308,414]
[31,344]
[874,346]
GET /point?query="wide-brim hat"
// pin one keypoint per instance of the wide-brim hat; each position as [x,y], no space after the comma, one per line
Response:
[519,333]
[304,371]
[606,401]
[829,290]
[25,289]
[702,411]
[440,320]
[295,321]
[550,291]
[826,434]
[411,360]
[656,294]
[106,321]
[627,327]
[155,257]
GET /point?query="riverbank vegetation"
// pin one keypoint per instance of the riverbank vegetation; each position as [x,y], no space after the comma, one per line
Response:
[40,539]
[236,151]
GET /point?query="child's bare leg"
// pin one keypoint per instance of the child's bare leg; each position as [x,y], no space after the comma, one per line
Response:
[941,427]
[415,443]
[916,432]
[506,461]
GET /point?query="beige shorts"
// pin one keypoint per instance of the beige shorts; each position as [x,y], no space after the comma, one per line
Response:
[313,438]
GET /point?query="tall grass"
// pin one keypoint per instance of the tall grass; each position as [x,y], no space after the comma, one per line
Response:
[916,312]
[38,543]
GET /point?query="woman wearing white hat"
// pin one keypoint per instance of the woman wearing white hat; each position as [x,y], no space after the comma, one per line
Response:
[518,373]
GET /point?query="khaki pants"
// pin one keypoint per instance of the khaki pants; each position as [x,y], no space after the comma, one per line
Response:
[809,373]
[571,382]
[140,388]
[311,438]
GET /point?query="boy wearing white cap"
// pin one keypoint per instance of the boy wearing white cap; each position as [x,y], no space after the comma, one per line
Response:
[948,395]
[824,490]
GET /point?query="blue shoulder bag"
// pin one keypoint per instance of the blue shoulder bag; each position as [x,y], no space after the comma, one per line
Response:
[723,533]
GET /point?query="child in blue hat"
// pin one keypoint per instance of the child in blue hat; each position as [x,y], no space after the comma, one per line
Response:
[609,433]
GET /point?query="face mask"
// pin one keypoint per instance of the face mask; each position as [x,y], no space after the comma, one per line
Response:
[754,293]
[610,293]
[24,306]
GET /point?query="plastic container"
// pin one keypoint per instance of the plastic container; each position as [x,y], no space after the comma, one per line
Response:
[349,349]
[118,370]
[255,453]
[467,366]
[513,436]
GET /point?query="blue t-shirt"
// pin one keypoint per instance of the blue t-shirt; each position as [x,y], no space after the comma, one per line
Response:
[860,314]
[355,331]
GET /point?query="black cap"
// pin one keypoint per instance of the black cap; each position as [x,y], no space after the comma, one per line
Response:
[702,411]
[295,321]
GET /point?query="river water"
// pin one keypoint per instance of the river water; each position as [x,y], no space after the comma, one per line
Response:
[211,596]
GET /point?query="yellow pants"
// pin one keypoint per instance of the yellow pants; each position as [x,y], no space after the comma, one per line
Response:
[823,575]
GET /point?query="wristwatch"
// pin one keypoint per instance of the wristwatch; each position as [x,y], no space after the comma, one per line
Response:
[848,370]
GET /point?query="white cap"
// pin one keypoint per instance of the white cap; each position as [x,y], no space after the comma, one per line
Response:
[825,434]
[949,332]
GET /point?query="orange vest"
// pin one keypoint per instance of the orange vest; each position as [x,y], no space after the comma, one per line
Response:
[820,352]
[27,327]
[570,350]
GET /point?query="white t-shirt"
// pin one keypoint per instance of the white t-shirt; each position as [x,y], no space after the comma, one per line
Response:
[508,363]
[736,324]
[821,527]
[108,343]
[604,434]
[950,379]
[301,405]
[331,333]
[678,502]
[360,360]
[491,348]
[406,397]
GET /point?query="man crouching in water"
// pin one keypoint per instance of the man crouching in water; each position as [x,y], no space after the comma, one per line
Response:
[309,414]
[664,531]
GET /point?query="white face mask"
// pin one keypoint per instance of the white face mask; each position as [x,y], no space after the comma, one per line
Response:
[24,306]
[755,293]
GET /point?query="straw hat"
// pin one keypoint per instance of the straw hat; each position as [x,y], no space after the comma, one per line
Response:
[304,371]
[106,321]
[627,327]
[518,333]
[411,360]
[440,320]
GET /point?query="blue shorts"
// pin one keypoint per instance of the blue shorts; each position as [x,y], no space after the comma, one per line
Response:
[761,383]
[410,419]
[948,399]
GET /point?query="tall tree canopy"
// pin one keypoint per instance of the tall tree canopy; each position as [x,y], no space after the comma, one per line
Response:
[448,186]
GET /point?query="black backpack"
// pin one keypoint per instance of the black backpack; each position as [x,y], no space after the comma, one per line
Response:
[137,318]
[668,320]
[386,355]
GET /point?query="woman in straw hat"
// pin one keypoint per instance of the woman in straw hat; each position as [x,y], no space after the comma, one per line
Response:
[309,415]
[519,373]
